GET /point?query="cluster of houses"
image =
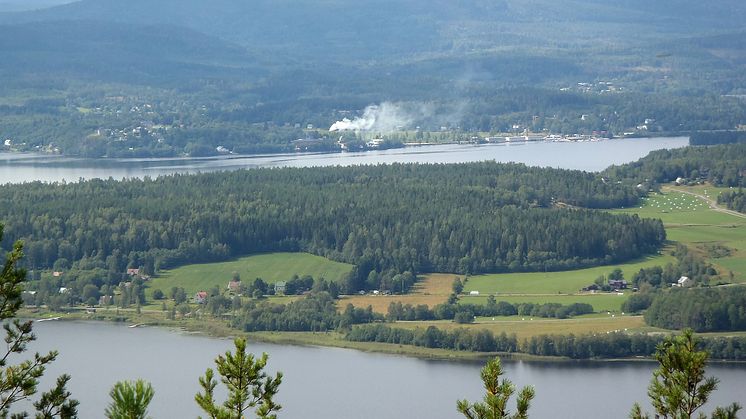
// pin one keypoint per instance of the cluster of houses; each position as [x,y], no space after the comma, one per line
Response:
[618,285]
[234,287]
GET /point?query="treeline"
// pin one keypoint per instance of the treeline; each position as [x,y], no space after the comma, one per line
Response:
[387,220]
[702,309]
[721,165]
[317,312]
[734,200]
[717,137]
[465,313]
[432,337]
[589,346]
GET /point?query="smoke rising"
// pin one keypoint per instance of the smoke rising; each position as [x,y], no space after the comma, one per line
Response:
[385,117]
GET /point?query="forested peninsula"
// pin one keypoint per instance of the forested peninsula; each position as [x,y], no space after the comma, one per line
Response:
[466,218]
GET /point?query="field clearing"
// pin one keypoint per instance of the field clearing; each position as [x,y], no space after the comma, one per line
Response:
[432,290]
[435,284]
[689,220]
[527,328]
[271,267]
[380,303]
[565,282]
[678,208]
[601,302]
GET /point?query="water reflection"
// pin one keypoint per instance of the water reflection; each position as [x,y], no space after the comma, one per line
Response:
[591,156]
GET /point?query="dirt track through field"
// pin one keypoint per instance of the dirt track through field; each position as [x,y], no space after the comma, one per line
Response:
[711,202]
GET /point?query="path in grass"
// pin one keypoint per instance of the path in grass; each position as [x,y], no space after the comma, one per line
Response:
[271,267]
[711,202]
[689,219]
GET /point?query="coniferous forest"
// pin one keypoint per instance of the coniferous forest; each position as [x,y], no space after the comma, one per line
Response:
[466,218]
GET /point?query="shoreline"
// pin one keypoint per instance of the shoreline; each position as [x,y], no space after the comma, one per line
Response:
[219,329]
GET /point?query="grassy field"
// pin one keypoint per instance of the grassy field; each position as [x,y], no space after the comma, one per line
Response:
[690,220]
[271,267]
[432,290]
[567,282]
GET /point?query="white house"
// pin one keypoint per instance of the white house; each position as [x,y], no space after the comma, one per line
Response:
[684,281]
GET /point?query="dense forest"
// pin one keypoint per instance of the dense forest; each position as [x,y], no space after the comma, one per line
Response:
[701,309]
[718,137]
[466,218]
[723,165]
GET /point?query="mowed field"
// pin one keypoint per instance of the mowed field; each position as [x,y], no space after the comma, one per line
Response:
[271,267]
[431,290]
[567,282]
[691,221]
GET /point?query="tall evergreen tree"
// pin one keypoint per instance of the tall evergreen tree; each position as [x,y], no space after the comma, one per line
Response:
[247,382]
[495,405]
[679,386]
[19,382]
[130,400]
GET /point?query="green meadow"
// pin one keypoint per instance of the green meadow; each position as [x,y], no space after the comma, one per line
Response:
[689,220]
[566,282]
[271,267]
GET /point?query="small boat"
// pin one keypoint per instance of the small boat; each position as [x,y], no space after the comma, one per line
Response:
[46,320]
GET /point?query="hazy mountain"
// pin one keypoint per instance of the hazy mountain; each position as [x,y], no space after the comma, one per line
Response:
[375,29]
[116,52]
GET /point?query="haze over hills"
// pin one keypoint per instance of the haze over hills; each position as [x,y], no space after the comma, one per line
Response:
[378,29]
[468,65]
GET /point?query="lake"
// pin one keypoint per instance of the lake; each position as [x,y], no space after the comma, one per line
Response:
[590,156]
[334,383]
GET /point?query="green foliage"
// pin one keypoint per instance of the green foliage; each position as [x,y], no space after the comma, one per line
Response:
[495,405]
[158,294]
[679,386]
[704,310]
[19,382]
[480,217]
[719,165]
[720,137]
[316,312]
[464,313]
[130,400]
[57,403]
[247,383]
[585,346]
[431,337]
[734,200]
[457,286]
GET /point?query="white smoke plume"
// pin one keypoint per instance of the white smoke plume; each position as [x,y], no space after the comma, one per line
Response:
[385,117]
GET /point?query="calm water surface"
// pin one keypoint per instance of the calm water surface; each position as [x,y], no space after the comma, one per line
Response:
[591,156]
[335,383]
[332,383]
